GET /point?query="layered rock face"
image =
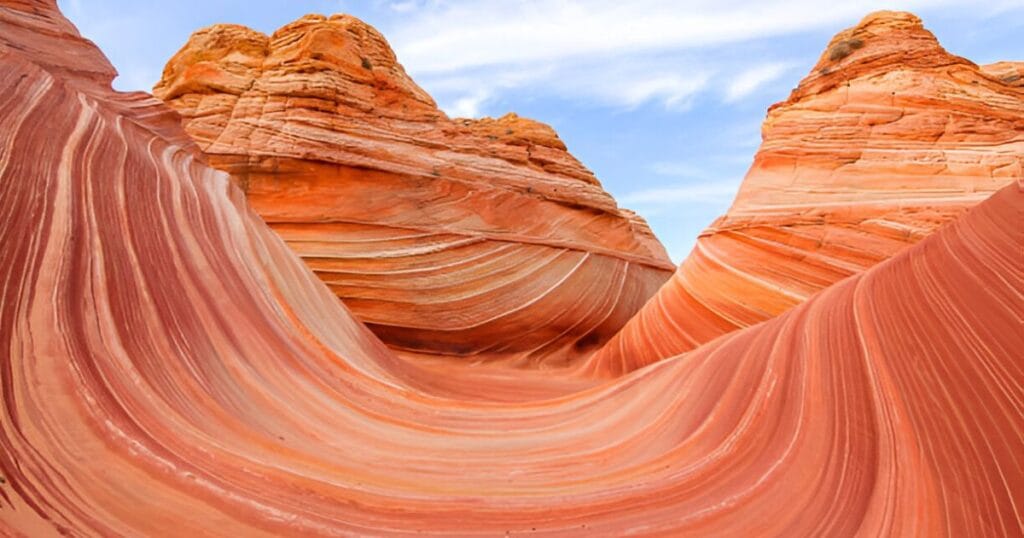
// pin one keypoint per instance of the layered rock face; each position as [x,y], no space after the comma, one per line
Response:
[887,139]
[35,28]
[1011,73]
[453,237]
[170,366]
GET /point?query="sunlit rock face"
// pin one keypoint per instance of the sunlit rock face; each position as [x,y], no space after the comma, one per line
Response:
[1011,73]
[483,238]
[888,138]
[168,366]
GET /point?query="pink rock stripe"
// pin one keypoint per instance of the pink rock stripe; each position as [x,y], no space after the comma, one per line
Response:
[171,368]
[482,240]
[888,138]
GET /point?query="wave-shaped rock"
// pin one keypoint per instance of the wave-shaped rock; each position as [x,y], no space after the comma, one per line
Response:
[1011,73]
[456,237]
[887,138]
[171,367]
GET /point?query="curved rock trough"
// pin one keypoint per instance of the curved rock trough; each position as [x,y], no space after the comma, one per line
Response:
[171,367]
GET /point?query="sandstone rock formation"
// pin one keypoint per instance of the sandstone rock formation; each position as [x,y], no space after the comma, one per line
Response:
[454,237]
[1011,73]
[35,29]
[888,138]
[171,367]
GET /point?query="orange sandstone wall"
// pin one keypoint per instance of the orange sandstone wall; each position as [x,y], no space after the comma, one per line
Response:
[453,237]
[169,366]
[888,138]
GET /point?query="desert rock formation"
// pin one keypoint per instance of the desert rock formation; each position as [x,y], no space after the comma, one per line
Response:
[171,366]
[453,237]
[888,138]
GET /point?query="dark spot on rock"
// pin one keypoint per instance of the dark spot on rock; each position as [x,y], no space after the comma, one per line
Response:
[366,63]
[589,341]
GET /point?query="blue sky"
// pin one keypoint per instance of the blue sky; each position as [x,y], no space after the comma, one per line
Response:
[663,100]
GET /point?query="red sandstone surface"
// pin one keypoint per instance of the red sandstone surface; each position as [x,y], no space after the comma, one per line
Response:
[480,238]
[888,138]
[171,367]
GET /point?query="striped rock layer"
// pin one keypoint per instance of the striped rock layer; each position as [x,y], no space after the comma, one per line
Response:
[171,367]
[452,237]
[887,139]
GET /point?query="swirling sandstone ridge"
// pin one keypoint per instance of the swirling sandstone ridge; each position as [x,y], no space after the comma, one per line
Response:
[170,367]
[888,138]
[454,237]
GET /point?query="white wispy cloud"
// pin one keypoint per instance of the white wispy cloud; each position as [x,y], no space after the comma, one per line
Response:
[715,192]
[624,84]
[467,106]
[749,81]
[403,7]
[459,35]
[622,54]
[673,90]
